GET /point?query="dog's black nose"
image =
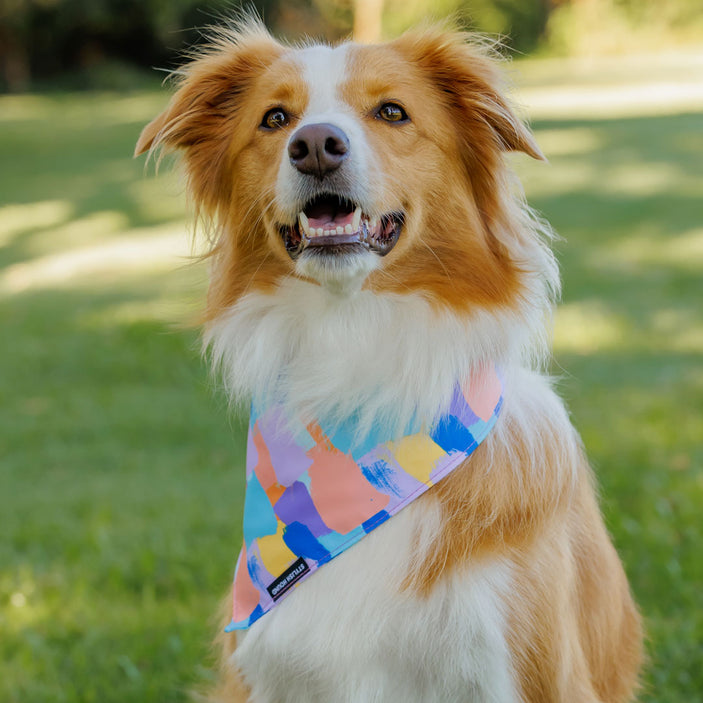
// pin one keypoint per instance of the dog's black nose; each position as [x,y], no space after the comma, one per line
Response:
[318,149]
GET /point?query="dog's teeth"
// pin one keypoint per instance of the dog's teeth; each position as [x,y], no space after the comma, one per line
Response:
[319,231]
[348,229]
[304,223]
[340,230]
[356,219]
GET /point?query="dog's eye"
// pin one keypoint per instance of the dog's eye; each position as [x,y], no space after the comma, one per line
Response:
[390,112]
[275,119]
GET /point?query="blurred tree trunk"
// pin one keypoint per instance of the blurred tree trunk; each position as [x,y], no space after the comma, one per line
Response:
[14,61]
[367,20]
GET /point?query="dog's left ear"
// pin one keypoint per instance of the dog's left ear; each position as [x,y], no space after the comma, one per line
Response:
[470,81]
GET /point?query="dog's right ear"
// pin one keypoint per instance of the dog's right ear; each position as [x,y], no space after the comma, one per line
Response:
[209,87]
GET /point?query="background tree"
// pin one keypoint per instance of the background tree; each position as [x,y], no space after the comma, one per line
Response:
[93,43]
[368,20]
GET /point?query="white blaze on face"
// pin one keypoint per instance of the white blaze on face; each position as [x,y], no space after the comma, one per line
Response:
[324,70]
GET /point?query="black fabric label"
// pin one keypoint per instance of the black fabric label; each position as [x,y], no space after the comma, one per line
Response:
[287,578]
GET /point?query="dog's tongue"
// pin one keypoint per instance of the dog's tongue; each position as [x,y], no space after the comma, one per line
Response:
[326,216]
[329,221]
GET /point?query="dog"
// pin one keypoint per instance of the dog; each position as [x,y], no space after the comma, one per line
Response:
[376,276]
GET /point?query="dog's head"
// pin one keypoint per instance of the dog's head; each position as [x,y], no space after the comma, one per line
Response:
[378,166]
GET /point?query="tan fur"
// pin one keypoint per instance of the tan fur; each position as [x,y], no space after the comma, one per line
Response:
[574,632]
[499,502]
[461,128]
[231,687]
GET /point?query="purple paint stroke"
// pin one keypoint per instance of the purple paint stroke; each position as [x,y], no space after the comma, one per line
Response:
[288,458]
[296,505]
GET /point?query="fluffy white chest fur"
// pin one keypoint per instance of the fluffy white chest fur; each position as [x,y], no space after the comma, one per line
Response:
[348,636]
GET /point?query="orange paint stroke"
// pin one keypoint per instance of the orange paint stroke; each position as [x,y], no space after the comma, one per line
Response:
[343,497]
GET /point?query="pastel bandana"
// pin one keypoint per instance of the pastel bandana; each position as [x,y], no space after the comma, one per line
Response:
[313,491]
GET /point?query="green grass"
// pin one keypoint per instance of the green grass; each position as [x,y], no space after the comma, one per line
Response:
[119,494]
[626,194]
[120,470]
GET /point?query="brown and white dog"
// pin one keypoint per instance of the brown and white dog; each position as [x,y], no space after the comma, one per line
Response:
[372,250]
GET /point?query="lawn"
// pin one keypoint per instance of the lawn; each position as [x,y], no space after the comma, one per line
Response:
[120,469]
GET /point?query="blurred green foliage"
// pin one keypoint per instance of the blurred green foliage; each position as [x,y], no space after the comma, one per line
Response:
[593,27]
[43,39]
[92,43]
[520,24]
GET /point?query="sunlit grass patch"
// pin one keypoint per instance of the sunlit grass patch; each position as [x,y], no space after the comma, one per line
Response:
[15,219]
[587,327]
[559,142]
[605,87]
[67,160]
[683,250]
[145,249]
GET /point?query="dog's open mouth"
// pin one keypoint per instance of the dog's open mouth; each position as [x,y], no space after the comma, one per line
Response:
[334,225]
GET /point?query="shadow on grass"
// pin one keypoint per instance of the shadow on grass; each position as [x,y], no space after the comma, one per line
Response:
[76,162]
